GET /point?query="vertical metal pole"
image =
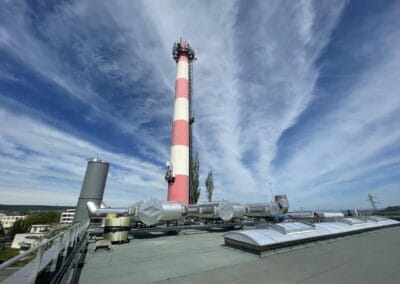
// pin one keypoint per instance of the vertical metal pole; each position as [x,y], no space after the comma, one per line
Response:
[60,244]
[36,265]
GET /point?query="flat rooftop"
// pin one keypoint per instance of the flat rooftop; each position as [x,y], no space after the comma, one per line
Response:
[201,257]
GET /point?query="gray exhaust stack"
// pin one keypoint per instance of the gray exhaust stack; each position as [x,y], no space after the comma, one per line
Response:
[92,188]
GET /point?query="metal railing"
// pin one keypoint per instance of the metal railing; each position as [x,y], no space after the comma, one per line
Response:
[48,251]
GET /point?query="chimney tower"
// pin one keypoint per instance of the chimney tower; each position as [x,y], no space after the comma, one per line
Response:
[178,170]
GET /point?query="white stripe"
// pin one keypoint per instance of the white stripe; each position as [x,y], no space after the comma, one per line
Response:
[182,70]
[181,109]
[180,160]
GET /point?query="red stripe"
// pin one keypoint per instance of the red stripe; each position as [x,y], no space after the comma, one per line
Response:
[183,57]
[182,88]
[179,189]
[180,133]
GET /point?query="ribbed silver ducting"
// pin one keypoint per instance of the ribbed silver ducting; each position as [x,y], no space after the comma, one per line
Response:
[283,203]
[96,211]
[258,210]
[150,212]
[153,211]
[202,211]
[207,210]
[134,211]
[301,215]
[172,210]
[329,214]
[228,210]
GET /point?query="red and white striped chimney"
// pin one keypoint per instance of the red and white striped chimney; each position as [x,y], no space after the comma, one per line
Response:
[178,166]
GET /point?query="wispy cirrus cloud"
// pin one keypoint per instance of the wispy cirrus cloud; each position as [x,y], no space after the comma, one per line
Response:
[353,147]
[45,164]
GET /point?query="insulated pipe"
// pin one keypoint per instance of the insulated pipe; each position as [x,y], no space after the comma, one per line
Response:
[153,211]
[329,214]
[96,211]
[178,166]
[203,210]
[228,210]
[258,210]
[301,215]
[283,203]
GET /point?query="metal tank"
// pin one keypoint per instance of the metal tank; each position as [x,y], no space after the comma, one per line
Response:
[92,189]
[116,229]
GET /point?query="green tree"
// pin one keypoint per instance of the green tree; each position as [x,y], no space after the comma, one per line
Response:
[1,229]
[20,226]
[48,217]
[210,185]
[194,193]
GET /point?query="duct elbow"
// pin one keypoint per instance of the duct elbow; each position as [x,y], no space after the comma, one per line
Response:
[94,210]
[92,207]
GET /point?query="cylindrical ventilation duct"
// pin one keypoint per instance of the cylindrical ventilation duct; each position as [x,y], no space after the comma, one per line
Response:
[228,210]
[154,211]
[203,211]
[283,203]
[92,188]
[326,215]
[258,210]
[301,215]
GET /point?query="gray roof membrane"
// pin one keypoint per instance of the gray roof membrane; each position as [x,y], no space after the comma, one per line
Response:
[286,234]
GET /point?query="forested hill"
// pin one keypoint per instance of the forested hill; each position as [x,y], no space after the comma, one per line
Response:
[391,209]
[5,208]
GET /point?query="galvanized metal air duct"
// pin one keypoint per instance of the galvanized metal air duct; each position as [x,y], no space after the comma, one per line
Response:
[301,215]
[203,211]
[228,210]
[92,188]
[96,211]
[258,210]
[326,215]
[153,211]
[283,203]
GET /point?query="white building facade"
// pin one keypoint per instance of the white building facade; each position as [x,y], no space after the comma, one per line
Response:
[67,217]
[8,221]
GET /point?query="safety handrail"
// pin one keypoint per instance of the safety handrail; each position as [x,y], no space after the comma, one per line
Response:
[60,241]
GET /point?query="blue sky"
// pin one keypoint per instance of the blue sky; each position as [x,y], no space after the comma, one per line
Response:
[301,97]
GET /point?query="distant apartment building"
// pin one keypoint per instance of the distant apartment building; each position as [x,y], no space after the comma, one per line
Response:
[35,236]
[40,228]
[67,217]
[8,221]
